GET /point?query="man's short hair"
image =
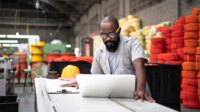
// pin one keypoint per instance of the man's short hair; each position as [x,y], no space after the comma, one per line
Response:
[111,19]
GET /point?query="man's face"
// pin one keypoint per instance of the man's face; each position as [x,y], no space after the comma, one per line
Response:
[109,35]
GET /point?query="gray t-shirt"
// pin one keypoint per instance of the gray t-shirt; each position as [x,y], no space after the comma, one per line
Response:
[119,62]
[112,58]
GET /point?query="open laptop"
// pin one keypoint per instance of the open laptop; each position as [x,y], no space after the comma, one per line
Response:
[98,85]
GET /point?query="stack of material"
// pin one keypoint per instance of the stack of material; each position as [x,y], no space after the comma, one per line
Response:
[138,34]
[196,12]
[177,35]
[169,58]
[150,32]
[166,33]
[37,52]
[157,47]
[191,66]
[130,27]
[129,24]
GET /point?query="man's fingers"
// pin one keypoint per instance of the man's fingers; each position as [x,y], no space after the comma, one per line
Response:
[149,99]
[136,96]
[142,97]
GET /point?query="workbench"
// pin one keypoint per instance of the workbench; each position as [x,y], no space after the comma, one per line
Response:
[49,102]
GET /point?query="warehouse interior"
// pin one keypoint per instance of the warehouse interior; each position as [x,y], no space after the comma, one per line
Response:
[45,44]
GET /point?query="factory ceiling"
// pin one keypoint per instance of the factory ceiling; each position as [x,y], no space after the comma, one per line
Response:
[43,12]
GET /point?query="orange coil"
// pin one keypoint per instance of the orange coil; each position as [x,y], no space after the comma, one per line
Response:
[177,45]
[180,51]
[155,46]
[157,40]
[189,66]
[189,57]
[192,27]
[198,58]
[198,50]
[198,66]
[160,56]
[198,18]
[190,50]
[198,41]
[179,27]
[171,56]
[181,56]
[187,81]
[190,43]
[174,62]
[191,104]
[188,88]
[161,61]
[156,51]
[189,96]
[177,40]
[166,35]
[191,35]
[153,56]
[166,30]
[198,75]
[177,34]
[195,11]
[198,83]
[188,74]
[191,19]
[168,41]
[168,46]
[173,50]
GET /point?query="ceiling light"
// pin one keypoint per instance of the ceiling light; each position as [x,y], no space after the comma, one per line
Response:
[22,36]
[68,46]
[10,45]
[8,41]
[37,4]
[2,36]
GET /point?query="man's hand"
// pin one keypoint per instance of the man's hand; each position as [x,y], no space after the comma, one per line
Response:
[141,94]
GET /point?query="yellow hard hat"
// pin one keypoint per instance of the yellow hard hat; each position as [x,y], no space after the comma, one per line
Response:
[70,71]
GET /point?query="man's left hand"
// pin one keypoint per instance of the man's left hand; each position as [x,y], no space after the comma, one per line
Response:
[141,94]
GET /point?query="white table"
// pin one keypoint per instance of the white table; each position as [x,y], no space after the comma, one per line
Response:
[46,102]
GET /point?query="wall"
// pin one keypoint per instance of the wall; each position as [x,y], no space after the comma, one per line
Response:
[166,10]
[186,7]
[150,11]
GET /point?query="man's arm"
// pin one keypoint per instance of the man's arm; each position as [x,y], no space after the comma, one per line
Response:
[140,72]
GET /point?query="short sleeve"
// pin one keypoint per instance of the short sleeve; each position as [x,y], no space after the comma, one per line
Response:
[136,49]
[96,67]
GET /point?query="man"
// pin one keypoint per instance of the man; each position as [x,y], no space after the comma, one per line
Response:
[120,55]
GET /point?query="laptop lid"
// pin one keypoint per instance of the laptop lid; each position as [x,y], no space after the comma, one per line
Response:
[98,85]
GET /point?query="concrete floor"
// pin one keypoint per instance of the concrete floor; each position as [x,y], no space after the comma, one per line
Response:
[26,98]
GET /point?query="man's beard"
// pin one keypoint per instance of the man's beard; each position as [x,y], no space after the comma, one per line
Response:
[112,46]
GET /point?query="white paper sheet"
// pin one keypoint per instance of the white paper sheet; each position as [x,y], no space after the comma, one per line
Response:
[54,86]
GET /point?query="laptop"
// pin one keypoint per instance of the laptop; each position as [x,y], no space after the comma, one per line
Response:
[106,86]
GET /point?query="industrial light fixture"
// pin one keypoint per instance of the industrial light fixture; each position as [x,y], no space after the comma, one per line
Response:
[2,36]
[68,46]
[37,4]
[8,41]
[10,45]
[22,36]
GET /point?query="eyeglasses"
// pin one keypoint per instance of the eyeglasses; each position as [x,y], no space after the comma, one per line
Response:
[111,35]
